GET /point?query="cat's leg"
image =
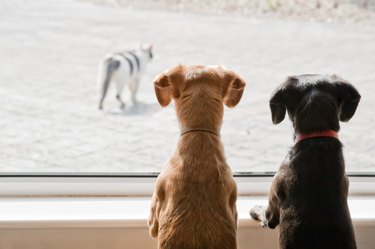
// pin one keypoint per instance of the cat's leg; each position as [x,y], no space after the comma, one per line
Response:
[119,88]
[105,76]
[133,87]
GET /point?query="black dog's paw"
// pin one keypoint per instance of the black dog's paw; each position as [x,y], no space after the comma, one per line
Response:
[259,213]
[272,225]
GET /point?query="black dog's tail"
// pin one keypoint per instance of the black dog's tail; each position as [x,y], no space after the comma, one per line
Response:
[109,66]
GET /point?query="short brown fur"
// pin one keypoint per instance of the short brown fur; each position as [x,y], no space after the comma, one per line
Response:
[194,203]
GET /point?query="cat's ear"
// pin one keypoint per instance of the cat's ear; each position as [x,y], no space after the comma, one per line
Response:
[147,47]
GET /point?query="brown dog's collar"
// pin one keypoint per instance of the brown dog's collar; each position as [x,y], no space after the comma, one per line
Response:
[327,133]
[185,130]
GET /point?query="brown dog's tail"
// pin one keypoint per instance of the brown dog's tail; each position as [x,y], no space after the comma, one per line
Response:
[259,213]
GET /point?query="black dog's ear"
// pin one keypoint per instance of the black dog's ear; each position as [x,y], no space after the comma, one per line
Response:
[348,99]
[284,95]
[278,105]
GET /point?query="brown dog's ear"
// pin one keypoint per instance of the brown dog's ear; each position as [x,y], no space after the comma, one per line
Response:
[278,106]
[163,89]
[348,99]
[233,90]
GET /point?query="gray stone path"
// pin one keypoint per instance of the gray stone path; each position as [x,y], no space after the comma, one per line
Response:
[50,51]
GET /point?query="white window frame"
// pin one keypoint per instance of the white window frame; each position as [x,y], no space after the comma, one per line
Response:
[137,185]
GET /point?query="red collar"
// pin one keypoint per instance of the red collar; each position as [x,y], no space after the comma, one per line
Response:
[326,133]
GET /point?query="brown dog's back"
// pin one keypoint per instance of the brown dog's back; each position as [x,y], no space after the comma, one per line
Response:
[203,225]
[199,215]
[194,203]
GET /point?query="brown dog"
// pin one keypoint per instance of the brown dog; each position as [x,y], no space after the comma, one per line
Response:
[194,203]
[308,196]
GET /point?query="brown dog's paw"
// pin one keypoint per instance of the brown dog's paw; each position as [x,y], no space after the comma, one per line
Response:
[259,213]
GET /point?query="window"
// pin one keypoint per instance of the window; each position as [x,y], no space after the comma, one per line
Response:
[49,92]
[85,173]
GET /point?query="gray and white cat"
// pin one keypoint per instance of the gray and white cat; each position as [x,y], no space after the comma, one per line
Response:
[123,68]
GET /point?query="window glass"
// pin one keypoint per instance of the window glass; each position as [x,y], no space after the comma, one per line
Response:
[49,92]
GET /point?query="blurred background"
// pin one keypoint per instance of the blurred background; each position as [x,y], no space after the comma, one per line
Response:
[50,52]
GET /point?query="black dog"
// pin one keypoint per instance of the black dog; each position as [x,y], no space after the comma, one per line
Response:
[308,197]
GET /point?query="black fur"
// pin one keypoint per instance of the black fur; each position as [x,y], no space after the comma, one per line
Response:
[308,197]
[136,60]
[129,62]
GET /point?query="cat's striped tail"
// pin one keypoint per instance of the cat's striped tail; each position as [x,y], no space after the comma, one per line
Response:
[109,65]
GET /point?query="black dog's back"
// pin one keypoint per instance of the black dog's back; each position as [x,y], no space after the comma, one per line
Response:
[316,214]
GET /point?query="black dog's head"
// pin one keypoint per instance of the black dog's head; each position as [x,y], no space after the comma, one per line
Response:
[314,102]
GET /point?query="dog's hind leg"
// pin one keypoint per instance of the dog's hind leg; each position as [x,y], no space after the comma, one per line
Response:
[110,65]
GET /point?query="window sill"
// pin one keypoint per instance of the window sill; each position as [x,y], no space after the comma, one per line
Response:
[113,212]
[135,185]
[121,222]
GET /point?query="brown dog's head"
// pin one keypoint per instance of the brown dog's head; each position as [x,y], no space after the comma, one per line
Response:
[199,93]
[314,102]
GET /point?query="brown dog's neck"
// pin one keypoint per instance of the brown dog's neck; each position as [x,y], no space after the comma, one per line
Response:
[199,151]
[186,129]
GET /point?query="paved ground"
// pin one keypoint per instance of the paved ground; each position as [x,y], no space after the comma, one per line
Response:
[50,51]
[345,11]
